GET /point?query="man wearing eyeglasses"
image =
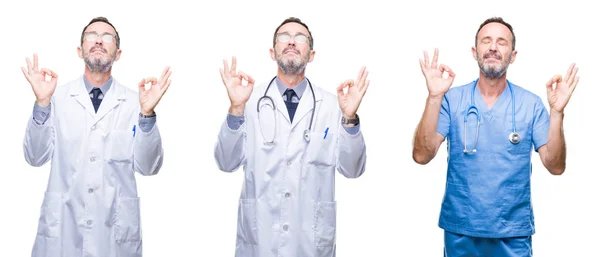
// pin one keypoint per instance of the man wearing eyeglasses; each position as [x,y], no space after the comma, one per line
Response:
[290,137]
[97,134]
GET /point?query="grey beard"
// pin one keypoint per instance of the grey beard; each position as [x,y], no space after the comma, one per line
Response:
[291,68]
[98,65]
[492,73]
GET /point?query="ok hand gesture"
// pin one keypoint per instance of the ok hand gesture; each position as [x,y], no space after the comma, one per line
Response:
[42,88]
[436,83]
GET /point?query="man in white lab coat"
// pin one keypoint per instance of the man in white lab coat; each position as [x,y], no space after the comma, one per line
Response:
[97,133]
[290,144]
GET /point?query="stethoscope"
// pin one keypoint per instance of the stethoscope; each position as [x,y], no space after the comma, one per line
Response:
[513,137]
[272,105]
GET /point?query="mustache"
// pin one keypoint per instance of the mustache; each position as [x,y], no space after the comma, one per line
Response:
[290,48]
[494,54]
[98,48]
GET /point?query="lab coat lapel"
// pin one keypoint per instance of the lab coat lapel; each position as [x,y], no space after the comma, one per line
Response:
[305,106]
[115,94]
[278,100]
[79,92]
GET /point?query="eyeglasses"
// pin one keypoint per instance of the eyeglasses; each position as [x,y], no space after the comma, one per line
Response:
[298,38]
[93,36]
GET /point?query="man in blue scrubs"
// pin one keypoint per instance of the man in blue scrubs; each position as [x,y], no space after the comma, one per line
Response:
[491,125]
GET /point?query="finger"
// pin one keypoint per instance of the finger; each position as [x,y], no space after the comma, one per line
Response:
[361,83]
[226,68]
[363,90]
[422,66]
[151,80]
[435,59]
[166,86]
[426,59]
[444,67]
[142,86]
[575,82]
[572,76]
[29,65]
[360,74]
[569,75]
[165,74]
[340,88]
[222,75]
[49,73]
[165,78]
[233,64]
[25,74]
[35,63]
[550,83]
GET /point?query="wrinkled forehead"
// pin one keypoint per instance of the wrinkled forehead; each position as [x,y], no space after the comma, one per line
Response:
[293,28]
[100,27]
[495,30]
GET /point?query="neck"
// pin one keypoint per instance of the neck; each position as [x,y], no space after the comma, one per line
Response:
[491,87]
[96,78]
[289,80]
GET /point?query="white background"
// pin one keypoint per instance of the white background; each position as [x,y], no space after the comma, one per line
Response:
[190,207]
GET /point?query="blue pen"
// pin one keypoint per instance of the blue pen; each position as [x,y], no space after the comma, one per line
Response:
[326,130]
[133,130]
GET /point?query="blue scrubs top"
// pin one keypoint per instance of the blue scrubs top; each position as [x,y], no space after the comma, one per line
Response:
[488,193]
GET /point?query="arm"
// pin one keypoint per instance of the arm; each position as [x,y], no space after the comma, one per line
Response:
[231,144]
[554,153]
[38,144]
[427,138]
[351,151]
[147,146]
[559,90]
[230,150]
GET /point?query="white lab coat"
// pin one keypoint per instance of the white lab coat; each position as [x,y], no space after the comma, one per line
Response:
[91,207]
[287,206]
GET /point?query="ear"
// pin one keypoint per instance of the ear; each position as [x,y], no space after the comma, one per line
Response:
[80,52]
[474,52]
[312,55]
[513,56]
[118,55]
[272,53]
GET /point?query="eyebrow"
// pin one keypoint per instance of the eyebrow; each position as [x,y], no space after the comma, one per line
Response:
[299,33]
[490,37]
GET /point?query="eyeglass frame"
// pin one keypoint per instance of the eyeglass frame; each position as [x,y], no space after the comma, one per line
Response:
[94,33]
[296,35]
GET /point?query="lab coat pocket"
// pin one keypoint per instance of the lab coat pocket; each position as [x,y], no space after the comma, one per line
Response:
[325,226]
[50,216]
[127,221]
[524,146]
[321,149]
[247,230]
[48,238]
[120,146]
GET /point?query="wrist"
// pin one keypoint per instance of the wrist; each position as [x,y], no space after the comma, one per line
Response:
[43,102]
[556,114]
[237,109]
[146,113]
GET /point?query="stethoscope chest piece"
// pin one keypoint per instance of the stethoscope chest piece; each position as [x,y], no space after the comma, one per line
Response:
[307,135]
[514,137]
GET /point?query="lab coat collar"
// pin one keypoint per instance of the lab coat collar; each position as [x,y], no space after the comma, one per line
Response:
[113,97]
[304,107]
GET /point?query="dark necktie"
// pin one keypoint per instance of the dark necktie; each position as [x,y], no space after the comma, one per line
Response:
[95,98]
[289,93]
